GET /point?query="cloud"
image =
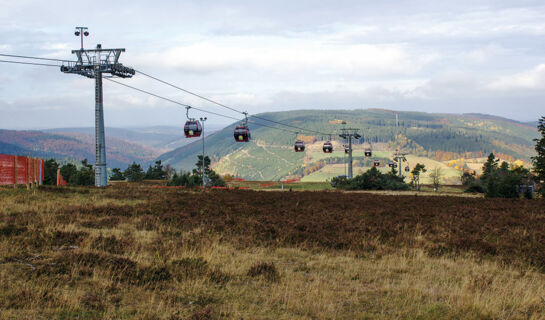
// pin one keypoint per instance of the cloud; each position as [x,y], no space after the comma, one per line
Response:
[528,80]
[289,55]
[265,56]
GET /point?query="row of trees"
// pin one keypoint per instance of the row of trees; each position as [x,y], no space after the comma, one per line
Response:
[82,176]
[503,180]
[500,180]
[135,173]
[194,178]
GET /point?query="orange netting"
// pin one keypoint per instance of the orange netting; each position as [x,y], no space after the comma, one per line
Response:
[20,170]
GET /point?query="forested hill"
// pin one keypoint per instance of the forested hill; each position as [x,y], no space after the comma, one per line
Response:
[270,154]
[72,147]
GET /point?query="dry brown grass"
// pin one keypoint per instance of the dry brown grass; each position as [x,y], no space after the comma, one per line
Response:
[142,253]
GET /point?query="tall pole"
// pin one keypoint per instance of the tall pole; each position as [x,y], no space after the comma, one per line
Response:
[350,156]
[93,63]
[349,133]
[101,177]
[345,165]
[203,120]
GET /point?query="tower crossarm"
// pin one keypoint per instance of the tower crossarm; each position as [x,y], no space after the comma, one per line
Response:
[91,61]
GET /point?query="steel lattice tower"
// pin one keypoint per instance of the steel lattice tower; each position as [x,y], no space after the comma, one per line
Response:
[96,63]
[349,133]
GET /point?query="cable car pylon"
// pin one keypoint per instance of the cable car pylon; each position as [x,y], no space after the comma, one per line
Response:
[349,133]
[93,63]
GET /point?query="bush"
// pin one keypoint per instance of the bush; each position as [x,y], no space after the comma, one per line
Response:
[194,179]
[117,175]
[372,179]
[475,188]
[134,173]
[84,176]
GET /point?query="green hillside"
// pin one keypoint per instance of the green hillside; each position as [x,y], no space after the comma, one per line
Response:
[269,156]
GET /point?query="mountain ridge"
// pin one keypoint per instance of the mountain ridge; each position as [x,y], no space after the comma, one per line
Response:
[425,134]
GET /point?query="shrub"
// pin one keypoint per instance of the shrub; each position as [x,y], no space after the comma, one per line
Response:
[372,179]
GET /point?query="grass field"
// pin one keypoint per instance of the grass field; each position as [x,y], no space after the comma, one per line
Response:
[450,175]
[138,252]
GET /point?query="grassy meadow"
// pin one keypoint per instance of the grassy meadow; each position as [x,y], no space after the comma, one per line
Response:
[138,252]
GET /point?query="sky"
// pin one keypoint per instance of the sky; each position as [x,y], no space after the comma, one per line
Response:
[257,56]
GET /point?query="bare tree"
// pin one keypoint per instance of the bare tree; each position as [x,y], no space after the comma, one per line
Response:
[436,177]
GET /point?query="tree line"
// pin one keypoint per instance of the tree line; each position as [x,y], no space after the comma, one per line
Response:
[84,175]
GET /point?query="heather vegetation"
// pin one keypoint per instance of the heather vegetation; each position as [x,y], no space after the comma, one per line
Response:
[136,252]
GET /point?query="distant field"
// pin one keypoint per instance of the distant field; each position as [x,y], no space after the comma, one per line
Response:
[330,171]
[450,175]
[138,252]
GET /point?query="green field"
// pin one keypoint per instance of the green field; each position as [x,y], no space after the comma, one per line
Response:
[450,175]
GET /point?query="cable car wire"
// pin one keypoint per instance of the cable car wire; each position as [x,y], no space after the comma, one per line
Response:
[137,89]
[164,98]
[30,63]
[223,105]
[196,108]
[35,58]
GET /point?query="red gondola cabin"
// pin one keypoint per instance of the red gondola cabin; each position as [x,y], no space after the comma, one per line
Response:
[299,146]
[242,134]
[376,163]
[328,147]
[192,129]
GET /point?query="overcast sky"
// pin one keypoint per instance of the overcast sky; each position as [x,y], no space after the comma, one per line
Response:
[464,56]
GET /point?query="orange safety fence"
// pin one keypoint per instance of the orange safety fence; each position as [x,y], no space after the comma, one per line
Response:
[291,180]
[267,184]
[21,170]
[60,179]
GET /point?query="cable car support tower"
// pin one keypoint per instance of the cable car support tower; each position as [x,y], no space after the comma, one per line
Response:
[349,133]
[95,64]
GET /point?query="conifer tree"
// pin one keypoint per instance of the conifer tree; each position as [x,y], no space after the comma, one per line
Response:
[539,159]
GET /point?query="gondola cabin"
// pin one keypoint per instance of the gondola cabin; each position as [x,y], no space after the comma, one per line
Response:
[299,146]
[407,169]
[392,164]
[242,134]
[328,147]
[368,152]
[192,129]
[346,150]
[376,163]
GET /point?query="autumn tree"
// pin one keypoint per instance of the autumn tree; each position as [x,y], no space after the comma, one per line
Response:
[419,168]
[436,177]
